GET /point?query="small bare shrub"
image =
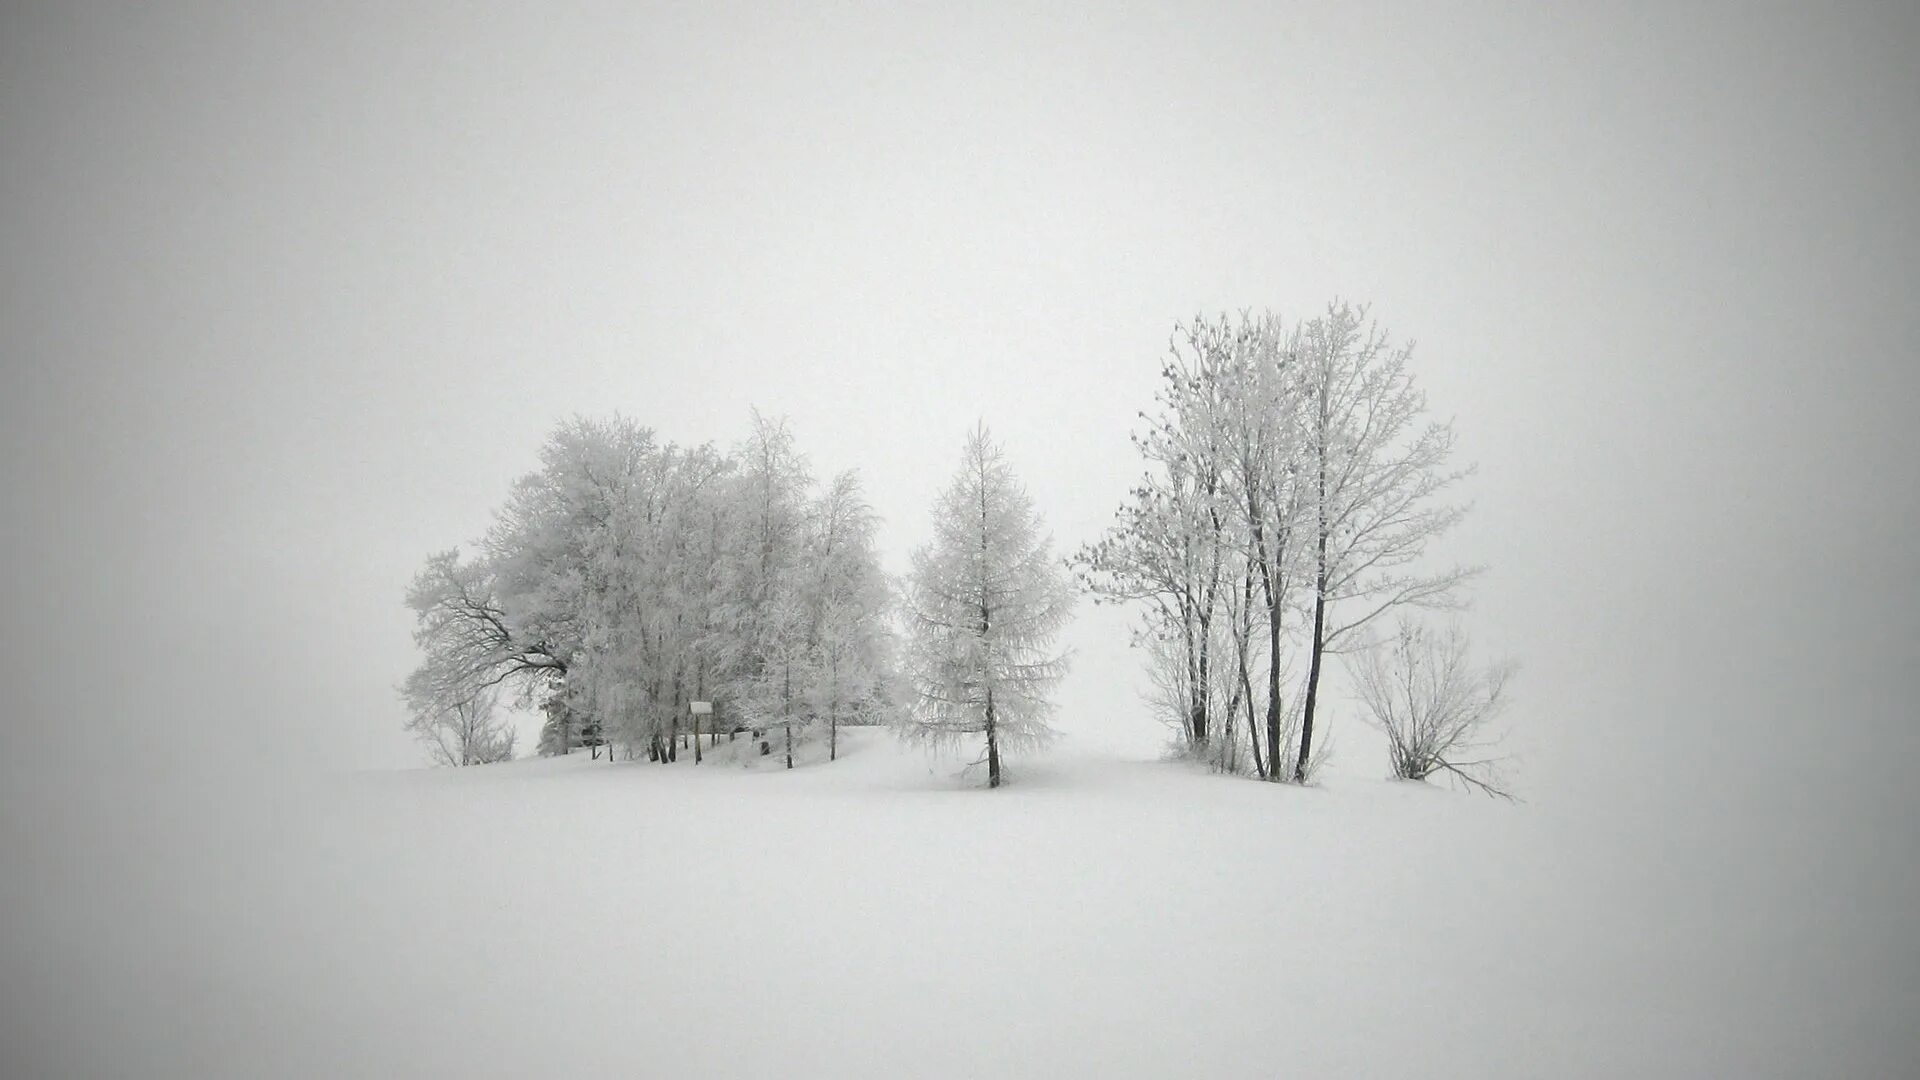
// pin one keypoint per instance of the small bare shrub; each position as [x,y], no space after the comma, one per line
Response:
[1422,691]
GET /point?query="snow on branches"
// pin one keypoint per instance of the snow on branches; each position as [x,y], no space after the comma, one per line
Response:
[984,603]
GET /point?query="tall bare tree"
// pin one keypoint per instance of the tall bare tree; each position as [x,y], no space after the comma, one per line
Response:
[1373,474]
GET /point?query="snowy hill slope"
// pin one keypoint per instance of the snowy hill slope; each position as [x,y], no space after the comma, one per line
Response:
[883,916]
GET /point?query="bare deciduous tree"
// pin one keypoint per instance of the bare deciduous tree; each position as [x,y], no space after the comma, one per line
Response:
[1372,477]
[1421,690]
[465,732]
[1289,470]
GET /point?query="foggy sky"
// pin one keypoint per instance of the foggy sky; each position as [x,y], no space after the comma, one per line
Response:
[290,296]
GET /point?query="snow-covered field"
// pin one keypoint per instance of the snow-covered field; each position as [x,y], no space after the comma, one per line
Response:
[882,916]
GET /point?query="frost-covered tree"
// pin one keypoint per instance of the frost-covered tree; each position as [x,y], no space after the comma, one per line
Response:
[1167,548]
[1208,537]
[1422,691]
[774,695]
[626,577]
[696,591]
[1291,489]
[984,603]
[465,732]
[1371,473]
[849,596]
[471,640]
[766,612]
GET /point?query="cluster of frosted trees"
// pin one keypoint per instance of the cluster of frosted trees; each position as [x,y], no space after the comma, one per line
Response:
[625,579]
[1292,486]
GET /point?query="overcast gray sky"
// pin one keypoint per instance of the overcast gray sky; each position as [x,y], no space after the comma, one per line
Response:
[291,294]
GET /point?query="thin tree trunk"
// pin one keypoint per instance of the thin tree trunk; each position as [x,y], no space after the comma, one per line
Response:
[993,746]
[1190,656]
[1253,725]
[1273,691]
[1319,590]
[1202,727]
[1202,689]
[1242,632]
[1313,666]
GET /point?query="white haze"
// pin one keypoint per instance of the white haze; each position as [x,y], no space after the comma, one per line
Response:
[289,296]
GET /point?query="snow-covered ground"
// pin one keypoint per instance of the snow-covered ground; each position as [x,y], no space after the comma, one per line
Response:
[882,916]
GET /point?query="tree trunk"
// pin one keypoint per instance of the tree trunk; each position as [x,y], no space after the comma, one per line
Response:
[789,727]
[1202,689]
[1313,666]
[696,738]
[833,736]
[1275,773]
[673,739]
[1319,591]
[1253,724]
[1242,627]
[993,746]
[1190,653]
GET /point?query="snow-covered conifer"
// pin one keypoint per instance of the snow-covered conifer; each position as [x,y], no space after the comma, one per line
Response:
[984,603]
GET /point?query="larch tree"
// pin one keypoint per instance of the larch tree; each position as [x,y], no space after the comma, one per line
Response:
[985,601]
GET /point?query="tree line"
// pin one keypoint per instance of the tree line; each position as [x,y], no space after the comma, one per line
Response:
[1292,483]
